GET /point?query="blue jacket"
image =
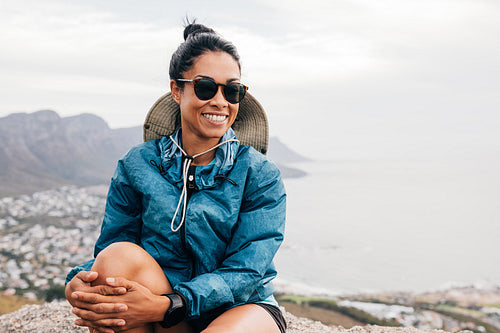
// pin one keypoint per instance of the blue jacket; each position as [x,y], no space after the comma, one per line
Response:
[222,256]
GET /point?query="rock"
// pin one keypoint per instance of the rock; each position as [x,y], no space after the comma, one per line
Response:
[48,317]
[57,317]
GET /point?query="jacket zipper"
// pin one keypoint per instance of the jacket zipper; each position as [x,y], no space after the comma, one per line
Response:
[190,189]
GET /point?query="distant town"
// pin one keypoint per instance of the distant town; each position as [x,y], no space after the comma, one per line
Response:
[44,235]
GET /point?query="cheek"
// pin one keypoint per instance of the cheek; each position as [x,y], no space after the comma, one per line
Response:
[234,113]
[189,103]
[235,109]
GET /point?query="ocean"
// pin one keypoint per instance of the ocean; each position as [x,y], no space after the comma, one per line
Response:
[373,225]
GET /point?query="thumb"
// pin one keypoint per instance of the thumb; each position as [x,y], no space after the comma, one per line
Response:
[88,276]
[91,276]
[120,282]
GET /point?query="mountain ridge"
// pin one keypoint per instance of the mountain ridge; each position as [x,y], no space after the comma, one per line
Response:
[42,150]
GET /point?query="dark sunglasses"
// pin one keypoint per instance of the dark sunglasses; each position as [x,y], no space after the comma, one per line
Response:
[206,88]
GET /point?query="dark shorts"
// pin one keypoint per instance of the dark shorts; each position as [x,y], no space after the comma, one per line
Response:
[273,311]
[277,315]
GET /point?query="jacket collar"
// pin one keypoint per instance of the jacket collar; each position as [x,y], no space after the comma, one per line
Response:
[205,177]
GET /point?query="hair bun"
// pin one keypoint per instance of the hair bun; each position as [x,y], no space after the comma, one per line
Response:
[194,29]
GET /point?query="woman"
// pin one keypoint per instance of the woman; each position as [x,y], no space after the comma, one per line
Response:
[193,219]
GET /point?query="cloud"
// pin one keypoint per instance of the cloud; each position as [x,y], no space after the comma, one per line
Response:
[58,52]
[360,67]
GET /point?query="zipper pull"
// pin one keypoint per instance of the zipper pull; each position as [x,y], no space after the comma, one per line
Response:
[191,183]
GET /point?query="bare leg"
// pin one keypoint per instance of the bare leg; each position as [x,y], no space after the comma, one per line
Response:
[132,262]
[248,318]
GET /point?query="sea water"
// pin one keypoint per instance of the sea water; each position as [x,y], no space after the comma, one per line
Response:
[391,224]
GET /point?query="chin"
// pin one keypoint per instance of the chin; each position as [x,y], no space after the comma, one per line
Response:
[212,134]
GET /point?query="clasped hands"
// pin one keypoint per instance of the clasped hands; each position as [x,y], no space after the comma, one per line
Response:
[119,305]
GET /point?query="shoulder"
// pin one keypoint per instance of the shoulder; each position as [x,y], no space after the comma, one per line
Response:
[264,186]
[256,162]
[261,173]
[136,158]
[141,152]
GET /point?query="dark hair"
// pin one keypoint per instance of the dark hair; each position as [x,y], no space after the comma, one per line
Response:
[198,39]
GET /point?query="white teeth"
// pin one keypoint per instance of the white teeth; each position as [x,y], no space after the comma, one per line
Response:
[214,117]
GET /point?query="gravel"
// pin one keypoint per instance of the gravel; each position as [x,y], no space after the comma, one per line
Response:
[57,317]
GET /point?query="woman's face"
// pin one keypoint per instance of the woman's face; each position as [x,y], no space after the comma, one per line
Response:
[210,119]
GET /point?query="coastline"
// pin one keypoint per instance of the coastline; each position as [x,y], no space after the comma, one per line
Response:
[284,286]
[459,309]
[57,317]
[466,307]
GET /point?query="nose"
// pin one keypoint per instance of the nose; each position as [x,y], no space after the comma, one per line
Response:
[219,99]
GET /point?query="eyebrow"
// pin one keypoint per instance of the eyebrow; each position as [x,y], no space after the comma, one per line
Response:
[211,78]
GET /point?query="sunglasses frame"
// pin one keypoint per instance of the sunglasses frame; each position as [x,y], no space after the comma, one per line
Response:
[196,80]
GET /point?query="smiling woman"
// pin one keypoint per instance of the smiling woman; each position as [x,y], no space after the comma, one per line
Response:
[194,216]
[204,121]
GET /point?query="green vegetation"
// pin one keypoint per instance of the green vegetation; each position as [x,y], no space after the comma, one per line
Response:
[328,304]
[464,316]
[7,254]
[352,312]
[327,317]
[54,293]
[459,310]
[297,299]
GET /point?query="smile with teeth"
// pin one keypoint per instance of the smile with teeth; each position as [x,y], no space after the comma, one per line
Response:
[213,117]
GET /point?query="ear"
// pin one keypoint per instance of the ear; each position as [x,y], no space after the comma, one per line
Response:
[176,91]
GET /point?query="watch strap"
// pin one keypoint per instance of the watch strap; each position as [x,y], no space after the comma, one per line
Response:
[176,311]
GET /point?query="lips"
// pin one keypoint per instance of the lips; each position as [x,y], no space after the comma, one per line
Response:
[214,117]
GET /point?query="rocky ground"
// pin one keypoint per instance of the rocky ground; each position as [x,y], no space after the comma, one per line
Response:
[57,317]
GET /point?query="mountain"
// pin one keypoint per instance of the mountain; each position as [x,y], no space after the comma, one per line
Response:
[278,151]
[282,156]
[42,150]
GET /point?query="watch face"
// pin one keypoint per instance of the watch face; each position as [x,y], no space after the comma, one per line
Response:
[175,313]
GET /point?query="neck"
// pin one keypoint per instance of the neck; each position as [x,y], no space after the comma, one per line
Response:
[193,145]
[204,159]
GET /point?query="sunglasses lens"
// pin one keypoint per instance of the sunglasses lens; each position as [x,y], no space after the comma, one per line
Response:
[205,89]
[234,92]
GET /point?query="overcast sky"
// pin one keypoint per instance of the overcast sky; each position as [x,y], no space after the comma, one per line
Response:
[338,78]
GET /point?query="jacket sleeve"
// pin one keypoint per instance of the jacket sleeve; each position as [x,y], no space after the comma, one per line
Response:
[249,254]
[122,217]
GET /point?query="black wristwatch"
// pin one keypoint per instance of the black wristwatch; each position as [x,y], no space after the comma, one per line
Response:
[176,312]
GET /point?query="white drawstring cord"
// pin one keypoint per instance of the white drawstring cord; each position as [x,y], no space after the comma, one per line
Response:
[185,171]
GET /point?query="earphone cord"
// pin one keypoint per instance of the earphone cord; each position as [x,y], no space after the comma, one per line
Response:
[185,170]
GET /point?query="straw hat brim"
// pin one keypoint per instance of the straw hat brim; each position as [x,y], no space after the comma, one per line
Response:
[251,126]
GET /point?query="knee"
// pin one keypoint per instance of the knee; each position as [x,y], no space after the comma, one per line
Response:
[132,262]
[121,252]
[126,260]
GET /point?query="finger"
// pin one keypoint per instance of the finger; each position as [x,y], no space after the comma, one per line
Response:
[92,326]
[82,305]
[109,308]
[102,308]
[86,314]
[95,298]
[110,323]
[84,297]
[96,319]
[102,325]
[103,330]
[108,290]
